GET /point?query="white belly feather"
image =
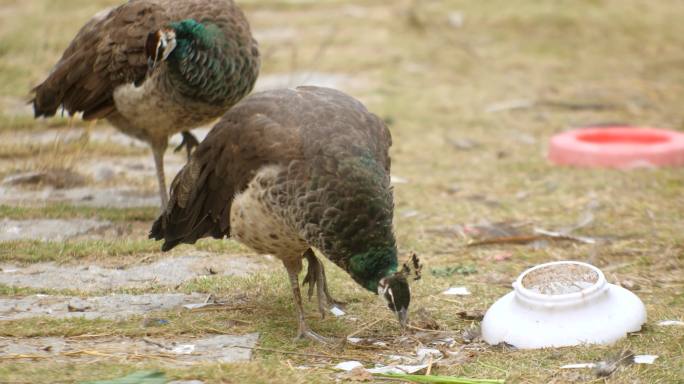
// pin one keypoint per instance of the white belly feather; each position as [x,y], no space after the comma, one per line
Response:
[255,223]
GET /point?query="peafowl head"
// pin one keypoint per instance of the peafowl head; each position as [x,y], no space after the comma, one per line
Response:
[175,40]
[159,46]
[394,289]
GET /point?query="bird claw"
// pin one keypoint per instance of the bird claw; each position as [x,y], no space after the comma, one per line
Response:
[315,278]
[310,280]
[306,333]
[189,142]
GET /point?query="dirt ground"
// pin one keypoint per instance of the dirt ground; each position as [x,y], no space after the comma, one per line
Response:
[472,92]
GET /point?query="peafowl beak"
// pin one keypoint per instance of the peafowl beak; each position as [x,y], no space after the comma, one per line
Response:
[159,46]
[397,294]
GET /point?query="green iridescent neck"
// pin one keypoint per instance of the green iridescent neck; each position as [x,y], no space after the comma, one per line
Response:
[369,267]
[205,67]
[190,31]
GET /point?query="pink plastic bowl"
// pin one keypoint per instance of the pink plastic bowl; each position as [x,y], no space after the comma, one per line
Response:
[618,147]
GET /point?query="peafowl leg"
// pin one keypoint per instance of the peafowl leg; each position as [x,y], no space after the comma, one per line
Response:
[304,330]
[158,150]
[189,142]
[315,276]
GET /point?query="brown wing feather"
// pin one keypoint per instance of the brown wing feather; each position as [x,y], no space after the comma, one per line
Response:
[245,139]
[276,127]
[108,51]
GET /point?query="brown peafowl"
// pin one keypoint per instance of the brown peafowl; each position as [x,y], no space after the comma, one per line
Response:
[286,171]
[154,68]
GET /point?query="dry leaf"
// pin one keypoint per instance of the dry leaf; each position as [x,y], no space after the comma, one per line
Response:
[474,314]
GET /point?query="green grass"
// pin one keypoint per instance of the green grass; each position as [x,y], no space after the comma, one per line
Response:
[65,211]
[266,370]
[434,83]
[71,151]
[33,251]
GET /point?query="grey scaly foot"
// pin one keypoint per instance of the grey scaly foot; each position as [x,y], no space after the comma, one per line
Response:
[158,149]
[189,142]
[304,331]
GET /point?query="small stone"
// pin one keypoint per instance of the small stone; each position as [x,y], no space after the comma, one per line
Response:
[337,312]
[76,308]
[630,285]
[476,315]
[184,349]
[457,291]
[348,366]
[456,19]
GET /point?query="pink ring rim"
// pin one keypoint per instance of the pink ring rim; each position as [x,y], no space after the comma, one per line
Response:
[618,147]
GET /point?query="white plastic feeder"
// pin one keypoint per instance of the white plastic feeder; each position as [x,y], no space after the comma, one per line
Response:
[561,304]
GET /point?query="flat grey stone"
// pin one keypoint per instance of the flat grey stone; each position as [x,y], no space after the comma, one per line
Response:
[133,167]
[170,351]
[103,307]
[166,272]
[90,197]
[220,348]
[48,229]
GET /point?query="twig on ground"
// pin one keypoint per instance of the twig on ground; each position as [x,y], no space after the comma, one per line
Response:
[426,330]
[365,327]
[219,307]
[524,239]
[315,355]
[157,344]
[429,368]
[540,234]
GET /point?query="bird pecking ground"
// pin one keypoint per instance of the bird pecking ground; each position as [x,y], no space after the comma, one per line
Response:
[472,91]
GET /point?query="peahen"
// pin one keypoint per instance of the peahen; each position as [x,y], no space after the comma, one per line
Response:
[154,68]
[289,170]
